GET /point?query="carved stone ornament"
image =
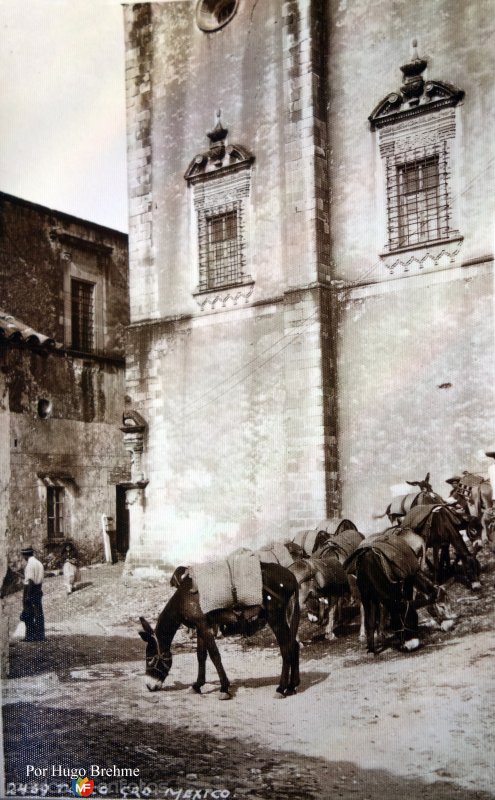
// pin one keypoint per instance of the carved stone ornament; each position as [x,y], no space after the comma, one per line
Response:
[220,158]
[134,429]
[429,257]
[415,96]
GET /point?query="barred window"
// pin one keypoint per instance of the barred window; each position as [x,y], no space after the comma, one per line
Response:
[83,315]
[55,511]
[224,252]
[418,199]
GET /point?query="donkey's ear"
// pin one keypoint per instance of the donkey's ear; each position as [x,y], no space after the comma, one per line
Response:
[147,627]
[145,636]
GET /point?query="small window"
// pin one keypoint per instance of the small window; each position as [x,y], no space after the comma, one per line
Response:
[223,250]
[55,512]
[83,315]
[44,408]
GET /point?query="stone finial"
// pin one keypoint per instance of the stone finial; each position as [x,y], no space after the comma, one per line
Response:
[219,133]
[413,85]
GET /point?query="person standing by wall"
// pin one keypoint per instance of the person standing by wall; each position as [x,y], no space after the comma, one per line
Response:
[32,609]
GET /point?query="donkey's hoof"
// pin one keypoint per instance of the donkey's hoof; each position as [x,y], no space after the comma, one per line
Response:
[225,695]
[195,688]
[279,695]
[410,645]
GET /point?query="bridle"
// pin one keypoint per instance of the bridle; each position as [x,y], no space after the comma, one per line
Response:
[159,660]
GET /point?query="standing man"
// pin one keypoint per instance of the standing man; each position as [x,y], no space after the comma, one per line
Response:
[32,609]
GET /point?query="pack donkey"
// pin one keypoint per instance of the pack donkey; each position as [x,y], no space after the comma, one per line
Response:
[388,569]
[402,504]
[279,609]
[324,585]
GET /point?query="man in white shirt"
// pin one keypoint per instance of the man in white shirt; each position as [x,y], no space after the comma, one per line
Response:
[32,609]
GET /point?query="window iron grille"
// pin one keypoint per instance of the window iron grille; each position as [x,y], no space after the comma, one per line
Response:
[82,302]
[418,198]
[224,265]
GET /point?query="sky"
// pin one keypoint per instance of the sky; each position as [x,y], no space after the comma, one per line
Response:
[62,106]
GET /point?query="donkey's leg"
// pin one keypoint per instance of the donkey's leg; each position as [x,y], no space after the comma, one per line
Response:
[282,635]
[212,649]
[332,611]
[201,654]
[293,624]
[356,598]
[370,614]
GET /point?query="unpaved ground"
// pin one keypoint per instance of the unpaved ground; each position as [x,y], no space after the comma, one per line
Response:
[384,727]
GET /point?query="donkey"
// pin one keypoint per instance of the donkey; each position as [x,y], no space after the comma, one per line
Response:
[279,609]
[476,492]
[323,583]
[440,528]
[402,504]
[388,569]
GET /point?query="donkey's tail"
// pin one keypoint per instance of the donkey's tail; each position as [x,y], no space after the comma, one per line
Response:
[379,516]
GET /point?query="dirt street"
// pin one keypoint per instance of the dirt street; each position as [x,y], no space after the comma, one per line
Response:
[361,726]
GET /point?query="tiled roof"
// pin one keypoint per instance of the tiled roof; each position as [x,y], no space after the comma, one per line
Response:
[13,330]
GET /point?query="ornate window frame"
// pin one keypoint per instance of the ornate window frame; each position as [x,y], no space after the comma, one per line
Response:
[417,125]
[86,261]
[220,180]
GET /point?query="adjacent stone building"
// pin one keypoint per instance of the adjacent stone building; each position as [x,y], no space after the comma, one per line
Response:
[64,310]
[311,261]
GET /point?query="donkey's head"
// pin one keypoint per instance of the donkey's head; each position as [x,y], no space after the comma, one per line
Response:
[423,486]
[157,663]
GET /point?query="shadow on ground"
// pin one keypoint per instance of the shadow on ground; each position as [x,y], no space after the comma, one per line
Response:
[177,758]
[60,654]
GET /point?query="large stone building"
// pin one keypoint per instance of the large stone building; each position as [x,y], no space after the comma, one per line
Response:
[311,261]
[63,315]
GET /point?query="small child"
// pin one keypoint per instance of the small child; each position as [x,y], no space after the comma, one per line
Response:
[70,569]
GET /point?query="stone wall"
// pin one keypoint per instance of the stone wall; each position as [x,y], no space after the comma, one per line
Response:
[38,249]
[415,347]
[235,451]
[304,396]
[4,509]
[453,37]
[80,440]
[230,386]
[416,386]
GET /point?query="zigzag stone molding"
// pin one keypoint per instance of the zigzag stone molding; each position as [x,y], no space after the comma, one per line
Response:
[224,298]
[423,259]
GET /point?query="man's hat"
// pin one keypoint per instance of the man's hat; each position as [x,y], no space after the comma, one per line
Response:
[454,479]
[490,454]
[27,550]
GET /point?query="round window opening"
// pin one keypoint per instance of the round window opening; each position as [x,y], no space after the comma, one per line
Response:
[214,14]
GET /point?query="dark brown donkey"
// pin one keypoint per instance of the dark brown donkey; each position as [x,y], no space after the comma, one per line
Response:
[280,610]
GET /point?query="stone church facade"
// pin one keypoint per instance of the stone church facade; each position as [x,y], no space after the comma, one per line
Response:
[311,262]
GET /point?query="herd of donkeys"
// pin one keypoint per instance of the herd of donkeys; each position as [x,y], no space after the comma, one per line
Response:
[394,574]
[394,577]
